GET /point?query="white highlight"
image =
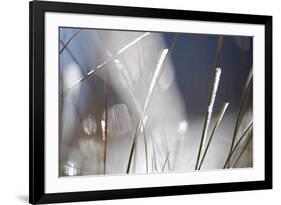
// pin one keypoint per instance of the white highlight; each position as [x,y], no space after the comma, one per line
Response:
[143,123]
[211,105]
[103,129]
[118,64]
[89,125]
[71,75]
[70,169]
[222,112]
[182,128]
[132,43]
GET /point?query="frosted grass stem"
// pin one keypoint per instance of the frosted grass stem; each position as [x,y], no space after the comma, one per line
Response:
[208,115]
[152,85]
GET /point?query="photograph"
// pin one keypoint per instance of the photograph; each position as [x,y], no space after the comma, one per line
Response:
[150,102]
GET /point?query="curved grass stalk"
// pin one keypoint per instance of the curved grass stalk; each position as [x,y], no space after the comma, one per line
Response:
[218,121]
[147,100]
[155,78]
[165,162]
[100,66]
[132,95]
[167,149]
[106,93]
[73,57]
[246,130]
[239,118]
[69,40]
[141,59]
[117,60]
[243,150]
[208,115]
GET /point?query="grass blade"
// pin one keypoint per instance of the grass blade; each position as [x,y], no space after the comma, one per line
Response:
[147,100]
[160,67]
[130,91]
[208,115]
[105,117]
[218,121]
[166,160]
[238,119]
[243,150]
[154,156]
[246,130]
[218,51]
[100,66]
[69,40]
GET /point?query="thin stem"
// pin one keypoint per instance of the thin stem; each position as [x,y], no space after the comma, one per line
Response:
[106,118]
[208,114]
[145,147]
[155,78]
[154,154]
[73,57]
[132,95]
[100,66]
[147,100]
[243,150]
[129,74]
[218,121]
[141,58]
[218,51]
[166,147]
[238,119]
[69,40]
[250,126]
[166,160]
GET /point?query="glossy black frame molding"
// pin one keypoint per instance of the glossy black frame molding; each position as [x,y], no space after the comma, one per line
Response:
[37,11]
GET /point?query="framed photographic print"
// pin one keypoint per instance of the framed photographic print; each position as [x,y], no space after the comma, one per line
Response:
[140,102]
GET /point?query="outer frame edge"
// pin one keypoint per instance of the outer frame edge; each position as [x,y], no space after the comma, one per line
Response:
[31,136]
[268,100]
[36,102]
[36,180]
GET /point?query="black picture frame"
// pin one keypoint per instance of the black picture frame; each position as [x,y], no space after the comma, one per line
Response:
[37,11]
